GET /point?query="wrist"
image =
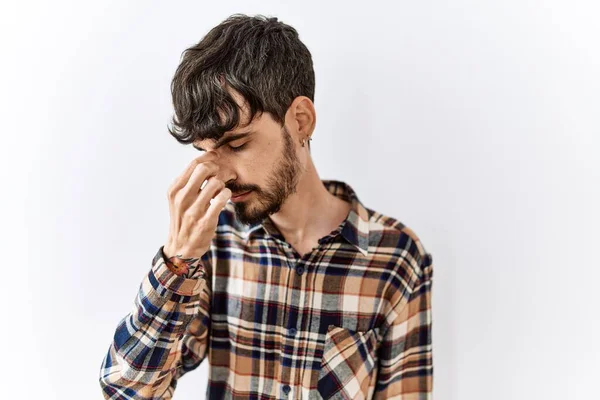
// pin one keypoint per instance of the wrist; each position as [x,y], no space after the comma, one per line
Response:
[180,265]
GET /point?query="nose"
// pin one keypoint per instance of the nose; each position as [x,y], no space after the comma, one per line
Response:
[224,173]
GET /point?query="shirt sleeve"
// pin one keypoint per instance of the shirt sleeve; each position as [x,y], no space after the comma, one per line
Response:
[163,337]
[406,357]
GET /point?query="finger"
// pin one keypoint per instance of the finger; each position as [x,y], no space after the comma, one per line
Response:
[200,205]
[216,206]
[183,179]
[180,200]
[201,173]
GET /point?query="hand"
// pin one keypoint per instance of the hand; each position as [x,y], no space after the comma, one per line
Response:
[194,213]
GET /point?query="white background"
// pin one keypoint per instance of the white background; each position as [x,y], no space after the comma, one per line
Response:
[476,123]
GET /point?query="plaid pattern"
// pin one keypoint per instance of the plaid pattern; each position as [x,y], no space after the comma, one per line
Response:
[349,320]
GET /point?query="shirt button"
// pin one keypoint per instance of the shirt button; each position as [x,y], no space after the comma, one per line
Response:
[286,389]
[299,270]
[293,331]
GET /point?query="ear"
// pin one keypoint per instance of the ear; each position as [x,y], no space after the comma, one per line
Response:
[302,117]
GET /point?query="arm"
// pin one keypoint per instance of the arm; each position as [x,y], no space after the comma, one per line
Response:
[406,362]
[163,337]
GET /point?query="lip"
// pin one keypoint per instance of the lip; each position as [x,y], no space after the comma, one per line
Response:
[240,197]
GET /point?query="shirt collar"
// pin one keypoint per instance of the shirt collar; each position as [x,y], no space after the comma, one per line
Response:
[355,228]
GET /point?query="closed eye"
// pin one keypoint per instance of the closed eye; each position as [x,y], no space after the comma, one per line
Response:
[238,148]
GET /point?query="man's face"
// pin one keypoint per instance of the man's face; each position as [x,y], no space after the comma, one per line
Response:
[267,165]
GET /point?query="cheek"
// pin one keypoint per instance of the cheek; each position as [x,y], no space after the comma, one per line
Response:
[249,168]
[257,161]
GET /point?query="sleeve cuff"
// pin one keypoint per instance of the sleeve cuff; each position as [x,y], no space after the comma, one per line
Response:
[160,274]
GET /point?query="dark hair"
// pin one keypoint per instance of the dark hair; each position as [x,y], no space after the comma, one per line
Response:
[261,58]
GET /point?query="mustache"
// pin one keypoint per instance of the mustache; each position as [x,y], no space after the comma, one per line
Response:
[239,189]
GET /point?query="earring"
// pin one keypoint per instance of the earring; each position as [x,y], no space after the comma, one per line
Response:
[302,141]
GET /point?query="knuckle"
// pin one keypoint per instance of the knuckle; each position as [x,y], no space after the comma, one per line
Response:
[210,164]
[188,218]
[173,189]
[215,182]
[201,168]
[178,201]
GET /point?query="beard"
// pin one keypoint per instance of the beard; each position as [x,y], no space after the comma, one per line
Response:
[280,184]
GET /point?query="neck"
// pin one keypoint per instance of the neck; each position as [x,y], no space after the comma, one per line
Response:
[311,211]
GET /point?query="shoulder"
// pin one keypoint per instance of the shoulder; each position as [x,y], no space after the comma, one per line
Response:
[392,237]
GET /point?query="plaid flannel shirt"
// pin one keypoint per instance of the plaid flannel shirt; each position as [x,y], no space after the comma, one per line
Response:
[350,319]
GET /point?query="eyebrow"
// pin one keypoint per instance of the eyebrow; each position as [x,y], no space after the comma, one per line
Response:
[226,139]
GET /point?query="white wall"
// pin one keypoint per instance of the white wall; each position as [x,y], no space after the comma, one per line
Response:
[476,123]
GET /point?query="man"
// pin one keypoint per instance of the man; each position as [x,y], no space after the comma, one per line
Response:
[292,288]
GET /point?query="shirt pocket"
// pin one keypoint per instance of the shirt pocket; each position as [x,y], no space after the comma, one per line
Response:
[349,363]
